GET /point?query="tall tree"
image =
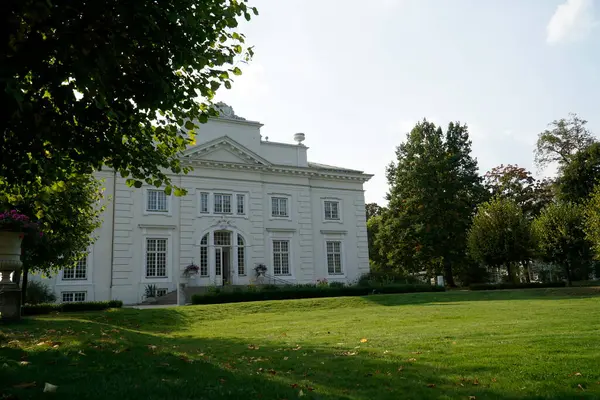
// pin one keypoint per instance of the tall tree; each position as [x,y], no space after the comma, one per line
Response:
[434,188]
[372,210]
[579,178]
[592,221]
[501,236]
[564,138]
[116,83]
[561,237]
[514,183]
[68,212]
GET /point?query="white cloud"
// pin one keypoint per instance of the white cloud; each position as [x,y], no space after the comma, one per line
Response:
[572,20]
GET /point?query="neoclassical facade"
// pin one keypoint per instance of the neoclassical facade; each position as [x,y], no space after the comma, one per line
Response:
[249,201]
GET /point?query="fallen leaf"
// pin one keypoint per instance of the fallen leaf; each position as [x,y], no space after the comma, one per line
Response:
[294,385]
[494,380]
[50,388]
[81,353]
[152,347]
[431,385]
[25,385]
[41,343]
[363,340]
[472,397]
[301,393]
[272,372]
[222,380]
[310,388]
[581,387]
[285,358]
[475,382]
[401,368]
[577,373]
[253,347]
[412,359]
[24,363]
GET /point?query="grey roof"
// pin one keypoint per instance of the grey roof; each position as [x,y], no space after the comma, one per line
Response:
[332,168]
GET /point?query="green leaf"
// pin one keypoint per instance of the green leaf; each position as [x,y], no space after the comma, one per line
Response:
[228,84]
[168,190]
[237,71]
[189,125]
[137,184]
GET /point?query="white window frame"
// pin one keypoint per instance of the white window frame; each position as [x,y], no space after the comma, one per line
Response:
[241,196]
[341,253]
[276,235]
[164,292]
[231,203]
[211,203]
[335,236]
[156,251]
[207,248]
[200,208]
[153,212]
[61,281]
[157,233]
[288,200]
[244,252]
[340,204]
[73,293]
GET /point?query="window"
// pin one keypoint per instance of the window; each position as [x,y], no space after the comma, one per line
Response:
[332,210]
[161,292]
[241,254]
[222,203]
[240,204]
[222,238]
[70,297]
[78,272]
[156,258]
[204,256]
[279,207]
[281,257]
[157,201]
[204,203]
[334,257]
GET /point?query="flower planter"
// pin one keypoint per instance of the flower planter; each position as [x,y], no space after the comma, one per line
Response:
[10,255]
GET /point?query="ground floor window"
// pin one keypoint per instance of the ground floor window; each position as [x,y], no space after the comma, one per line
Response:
[334,257]
[71,297]
[161,292]
[281,257]
[156,258]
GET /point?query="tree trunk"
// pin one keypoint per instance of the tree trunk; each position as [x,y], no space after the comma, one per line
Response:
[568,273]
[512,276]
[448,277]
[527,274]
[24,285]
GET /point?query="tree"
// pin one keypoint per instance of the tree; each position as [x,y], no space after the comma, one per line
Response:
[579,178]
[561,238]
[377,258]
[114,83]
[514,183]
[592,221]
[434,189]
[500,236]
[562,141]
[372,210]
[68,213]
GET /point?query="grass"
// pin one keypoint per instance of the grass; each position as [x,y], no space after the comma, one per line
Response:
[530,344]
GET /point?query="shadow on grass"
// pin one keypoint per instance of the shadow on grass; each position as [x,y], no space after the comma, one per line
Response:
[94,360]
[484,295]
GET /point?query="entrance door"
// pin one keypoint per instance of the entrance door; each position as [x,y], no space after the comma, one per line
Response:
[227,270]
[218,266]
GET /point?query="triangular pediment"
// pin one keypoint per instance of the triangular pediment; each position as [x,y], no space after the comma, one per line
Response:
[226,150]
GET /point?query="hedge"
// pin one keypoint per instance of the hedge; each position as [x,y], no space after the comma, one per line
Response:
[500,286]
[306,292]
[47,308]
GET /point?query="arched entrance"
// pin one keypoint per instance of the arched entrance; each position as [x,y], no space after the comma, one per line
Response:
[223,256]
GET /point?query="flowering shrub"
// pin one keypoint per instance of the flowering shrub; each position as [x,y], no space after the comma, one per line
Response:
[322,282]
[16,222]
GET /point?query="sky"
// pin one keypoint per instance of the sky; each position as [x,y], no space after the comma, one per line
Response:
[355,76]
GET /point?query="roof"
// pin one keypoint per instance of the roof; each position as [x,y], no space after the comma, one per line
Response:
[332,168]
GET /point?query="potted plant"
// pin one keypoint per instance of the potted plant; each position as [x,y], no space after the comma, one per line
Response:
[191,270]
[13,227]
[150,294]
[260,269]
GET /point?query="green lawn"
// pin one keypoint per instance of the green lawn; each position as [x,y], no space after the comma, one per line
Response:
[531,344]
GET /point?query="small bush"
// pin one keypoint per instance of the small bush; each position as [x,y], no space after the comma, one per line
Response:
[38,292]
[385,278]
[337,284]
[47,308]
[307,292]
[500,286]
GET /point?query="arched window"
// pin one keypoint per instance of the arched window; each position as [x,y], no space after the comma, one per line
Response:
[241,255]
[204,256]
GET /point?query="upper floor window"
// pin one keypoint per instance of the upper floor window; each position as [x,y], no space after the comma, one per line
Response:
[241,206]
[156,257]
[222,204]
[78,272]
[156,201]
[279,207]
[332,210]
[204,203]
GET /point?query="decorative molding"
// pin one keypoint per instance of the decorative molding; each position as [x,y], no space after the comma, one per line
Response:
[280,229]
[155,226]
[225,142]
[223,223]
[226,111]
[333,232]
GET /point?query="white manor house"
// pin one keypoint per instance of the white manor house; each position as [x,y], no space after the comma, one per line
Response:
[249,202]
